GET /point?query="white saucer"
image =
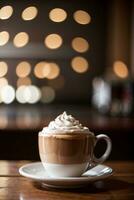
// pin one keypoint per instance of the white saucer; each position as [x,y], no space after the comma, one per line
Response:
[35,171]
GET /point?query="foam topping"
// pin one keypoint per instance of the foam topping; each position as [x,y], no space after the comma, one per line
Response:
[64,124]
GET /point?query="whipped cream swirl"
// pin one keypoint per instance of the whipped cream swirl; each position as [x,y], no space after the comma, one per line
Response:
[64,124]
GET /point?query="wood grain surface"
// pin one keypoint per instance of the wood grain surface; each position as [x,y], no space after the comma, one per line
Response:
[120,186]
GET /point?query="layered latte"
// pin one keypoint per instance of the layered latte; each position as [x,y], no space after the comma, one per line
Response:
[65,142]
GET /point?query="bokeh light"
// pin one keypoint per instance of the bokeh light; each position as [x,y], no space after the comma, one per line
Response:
[29,13]
[32,94]
[20,94]
[53,41]
[57,15]
[7,94]
[4,38]
[53,70]
[3,82]
[28,94]
[24,81]
[120,69]
[41,69]
[0,96]
[23,69]
[46,70]
[21,39]
[79,44]
[82,17]
[101,96]
[48,94]
[79,64]
[6,12]
[3,68]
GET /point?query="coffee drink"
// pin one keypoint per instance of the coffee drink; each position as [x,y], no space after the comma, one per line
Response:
[66,147]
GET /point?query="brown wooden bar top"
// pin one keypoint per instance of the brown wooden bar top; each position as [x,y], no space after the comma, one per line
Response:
[119,186]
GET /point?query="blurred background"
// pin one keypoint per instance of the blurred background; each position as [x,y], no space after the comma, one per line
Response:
[61,55]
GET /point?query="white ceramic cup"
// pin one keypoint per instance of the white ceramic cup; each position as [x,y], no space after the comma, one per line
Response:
[71,169]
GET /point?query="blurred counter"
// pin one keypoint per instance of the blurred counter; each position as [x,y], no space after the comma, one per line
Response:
[19,127]
[35,117]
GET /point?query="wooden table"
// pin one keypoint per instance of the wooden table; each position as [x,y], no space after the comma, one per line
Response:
[14,187]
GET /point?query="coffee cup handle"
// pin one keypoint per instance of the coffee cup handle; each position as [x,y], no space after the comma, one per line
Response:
[100,160]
